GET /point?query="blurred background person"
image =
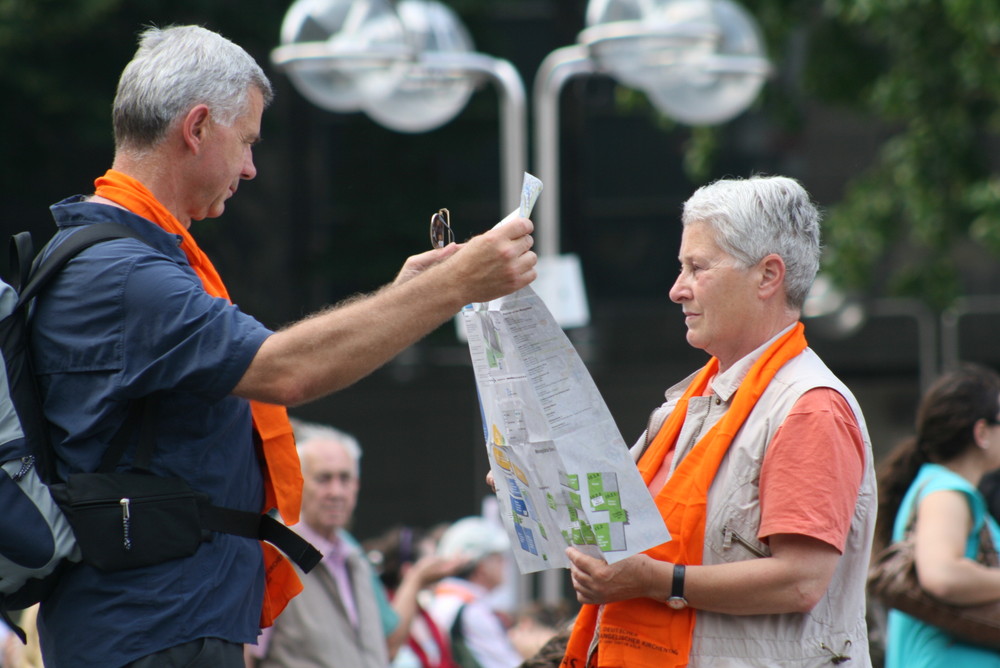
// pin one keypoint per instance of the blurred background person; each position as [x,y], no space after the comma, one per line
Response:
[551,654]
[461,603]
[540,632]
[990,488]
[341,618]
[407,563]
[936,473]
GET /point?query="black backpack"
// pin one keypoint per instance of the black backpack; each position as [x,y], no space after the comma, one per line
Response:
[35,537]
[47,524]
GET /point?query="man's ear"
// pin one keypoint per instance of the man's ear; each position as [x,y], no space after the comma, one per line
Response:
[195,127]
[772,275]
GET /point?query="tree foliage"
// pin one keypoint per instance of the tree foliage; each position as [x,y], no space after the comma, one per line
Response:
[936,183]
[927,71]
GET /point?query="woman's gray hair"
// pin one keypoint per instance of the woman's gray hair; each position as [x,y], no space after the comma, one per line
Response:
[755,217]
[173,70]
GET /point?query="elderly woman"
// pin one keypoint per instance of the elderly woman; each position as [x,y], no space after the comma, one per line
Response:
[760,465]
[933,476]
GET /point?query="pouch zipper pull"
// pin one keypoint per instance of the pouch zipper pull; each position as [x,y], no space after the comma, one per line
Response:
[126,522]
[26,464]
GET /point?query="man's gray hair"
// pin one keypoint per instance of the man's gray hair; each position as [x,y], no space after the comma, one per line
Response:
[755,217]
[305,432]
[175,69]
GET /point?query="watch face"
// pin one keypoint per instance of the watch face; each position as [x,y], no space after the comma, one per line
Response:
[677,603]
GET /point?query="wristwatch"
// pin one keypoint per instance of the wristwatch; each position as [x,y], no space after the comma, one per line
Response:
[677,600]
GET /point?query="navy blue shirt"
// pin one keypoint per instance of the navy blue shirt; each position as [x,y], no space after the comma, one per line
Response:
[125,319]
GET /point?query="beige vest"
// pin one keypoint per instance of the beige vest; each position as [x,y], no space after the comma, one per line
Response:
[836,627]
[315,632]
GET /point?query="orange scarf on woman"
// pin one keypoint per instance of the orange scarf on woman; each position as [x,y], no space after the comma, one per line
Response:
[646,633]
[282,475]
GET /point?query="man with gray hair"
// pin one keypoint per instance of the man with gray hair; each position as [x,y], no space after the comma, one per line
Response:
[146,321]
[342,618]
[335,621]
[760,465]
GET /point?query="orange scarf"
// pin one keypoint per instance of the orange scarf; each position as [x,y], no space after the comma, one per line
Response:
[282,475]
[646,633]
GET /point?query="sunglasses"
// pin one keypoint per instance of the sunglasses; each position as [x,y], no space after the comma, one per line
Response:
[441,234]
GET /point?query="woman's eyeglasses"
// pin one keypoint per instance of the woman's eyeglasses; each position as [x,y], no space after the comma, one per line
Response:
[441,234]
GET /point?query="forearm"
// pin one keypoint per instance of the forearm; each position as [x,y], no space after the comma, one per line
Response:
[404,602]
[793,579]
[336,347]
[755,587]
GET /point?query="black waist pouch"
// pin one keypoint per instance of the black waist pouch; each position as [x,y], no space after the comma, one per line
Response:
[133,519]
[130,520]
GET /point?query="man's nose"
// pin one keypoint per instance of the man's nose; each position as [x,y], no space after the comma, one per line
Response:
[249,170]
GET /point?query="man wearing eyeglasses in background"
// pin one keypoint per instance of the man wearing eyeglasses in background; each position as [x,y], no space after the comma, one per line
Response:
[130,318]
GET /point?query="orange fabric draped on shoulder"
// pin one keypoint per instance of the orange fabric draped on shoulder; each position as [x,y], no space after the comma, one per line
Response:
[646,633]
[282,475]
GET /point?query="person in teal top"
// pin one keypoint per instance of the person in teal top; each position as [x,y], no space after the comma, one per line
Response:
[936,473]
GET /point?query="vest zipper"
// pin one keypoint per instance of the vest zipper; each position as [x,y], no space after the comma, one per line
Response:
[729,536]
[649,428]
[696,434]
[649,433]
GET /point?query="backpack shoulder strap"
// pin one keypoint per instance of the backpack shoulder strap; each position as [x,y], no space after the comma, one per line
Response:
[42,270]
[456,632]
[34,272]
[462,654]
[22,252]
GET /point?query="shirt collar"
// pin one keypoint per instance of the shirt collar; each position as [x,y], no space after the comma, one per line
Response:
[78,210]
[724,385]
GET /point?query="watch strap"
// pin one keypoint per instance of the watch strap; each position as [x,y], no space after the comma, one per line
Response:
[677,588]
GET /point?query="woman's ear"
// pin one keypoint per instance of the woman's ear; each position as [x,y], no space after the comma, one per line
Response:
[981,433]
[772,275]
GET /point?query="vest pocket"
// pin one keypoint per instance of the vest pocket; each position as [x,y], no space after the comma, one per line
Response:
[734,540]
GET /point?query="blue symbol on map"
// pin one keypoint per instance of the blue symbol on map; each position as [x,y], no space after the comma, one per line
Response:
[519,506]
[526,538]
